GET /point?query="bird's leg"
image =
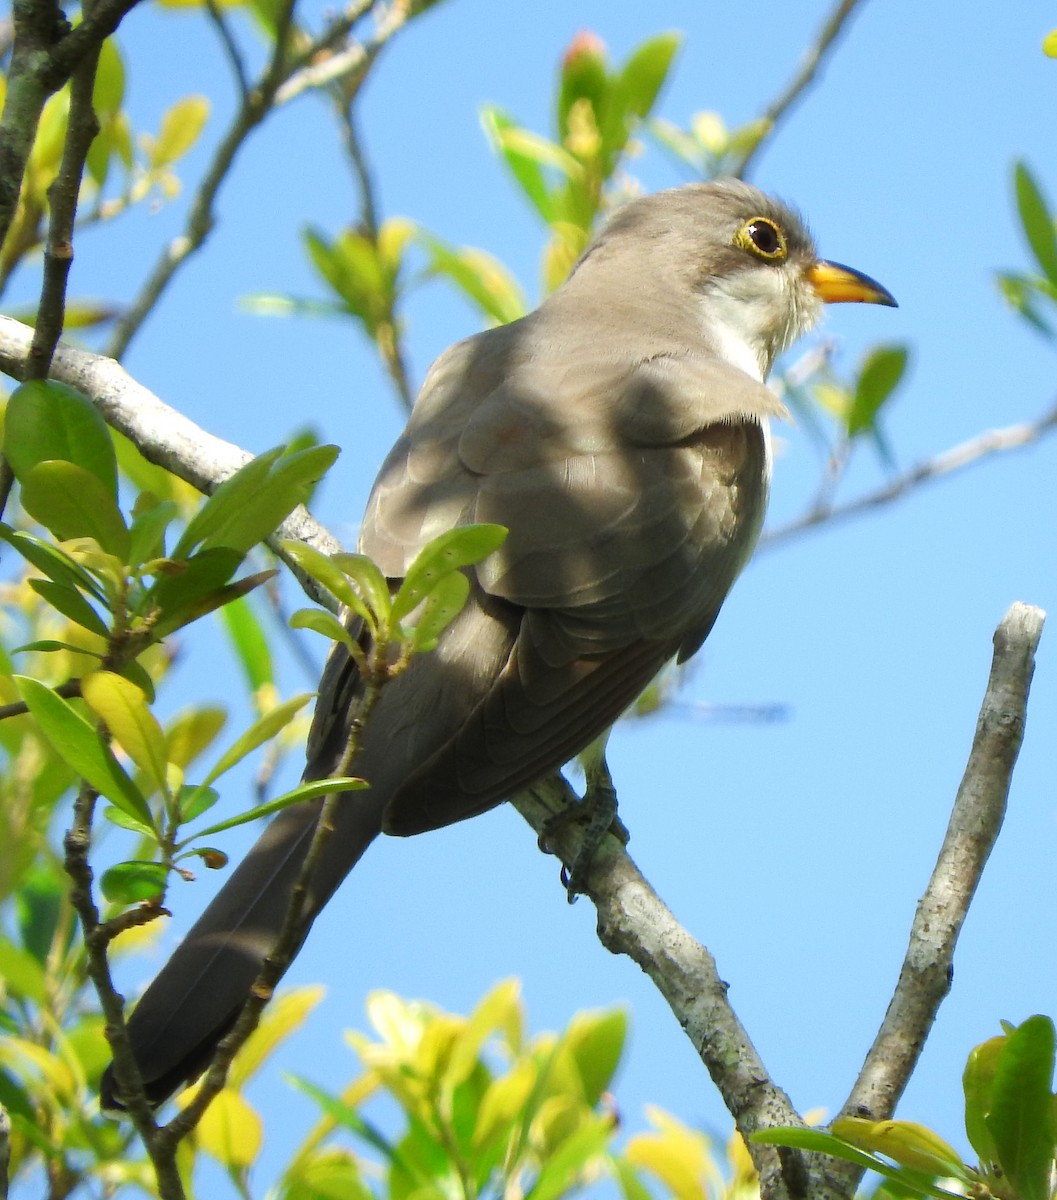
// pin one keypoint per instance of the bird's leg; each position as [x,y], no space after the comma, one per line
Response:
[596,811]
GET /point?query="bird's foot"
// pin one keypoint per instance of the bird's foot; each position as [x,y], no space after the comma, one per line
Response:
[596,811]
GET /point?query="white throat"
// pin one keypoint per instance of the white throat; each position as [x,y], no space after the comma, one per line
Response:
[735,340]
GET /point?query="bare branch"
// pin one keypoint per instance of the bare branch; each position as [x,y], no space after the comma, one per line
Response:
[975,822]
[45,54]
[957,458]
[81,128]
[387,335]
[231,47]
[283,78]
[813,59]
[633,920]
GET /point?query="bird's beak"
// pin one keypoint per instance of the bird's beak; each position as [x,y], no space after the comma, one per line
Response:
[837,285]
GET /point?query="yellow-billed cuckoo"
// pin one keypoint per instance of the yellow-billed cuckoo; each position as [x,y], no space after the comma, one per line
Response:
[620,432]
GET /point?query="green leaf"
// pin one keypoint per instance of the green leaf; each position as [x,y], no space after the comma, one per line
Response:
[441,606]
[596,1042]
[235,493]
[191,732]
[318,620]
[1037,220]
[124,710]
[584,77]
[527,170]
[1021,294]
[52,646]
[47,420]
[108,90]
[190,581]
[482,278]
[639,83]
[192,802]
[819,1142]
[123,820]
[211,602]
[71,604]
[323,570]
[250,505]
[905,1142]
[79,745]
[132,882]
[21,972]
[72,503]
[258,733]
[878,379]
[1021,1119]
[977,1081]
[461,547]
[151,517]
[250,643]
[181,126]
[299,795]
[345,1115]
[372,586]
[51,561]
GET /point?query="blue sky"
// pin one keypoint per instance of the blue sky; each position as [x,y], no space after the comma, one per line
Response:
[795,850]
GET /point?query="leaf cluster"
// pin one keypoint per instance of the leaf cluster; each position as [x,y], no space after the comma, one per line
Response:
[1010,1121]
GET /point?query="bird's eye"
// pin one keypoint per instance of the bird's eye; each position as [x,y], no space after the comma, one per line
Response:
[762,237]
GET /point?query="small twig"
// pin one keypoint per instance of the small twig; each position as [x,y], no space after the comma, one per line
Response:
[272,89]
[256,103]
[19,708]
[45,53]
[966,454]
[783,104]
[975,822]
[387,337]
[81,128]
[231,47]
[77,843]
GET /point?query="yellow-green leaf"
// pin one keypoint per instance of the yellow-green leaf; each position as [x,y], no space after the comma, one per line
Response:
[73,503]
[231,1131]
[180,128]
[286,1014]
[905,1142]
[258,733]
[78,744]
[191,732]
[123,707]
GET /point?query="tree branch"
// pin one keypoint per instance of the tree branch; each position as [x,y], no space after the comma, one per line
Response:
[957,458]
[633,920]
[161,434]
[779,108]
[283,78]
[975,822]
[388,335]
[81,128]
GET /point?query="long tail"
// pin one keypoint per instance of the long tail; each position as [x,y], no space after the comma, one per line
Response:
[194,1000]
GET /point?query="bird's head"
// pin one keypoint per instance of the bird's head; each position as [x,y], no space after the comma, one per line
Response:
[747,261]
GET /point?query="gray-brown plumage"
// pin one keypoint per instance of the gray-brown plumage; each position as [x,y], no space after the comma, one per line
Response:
[620,433]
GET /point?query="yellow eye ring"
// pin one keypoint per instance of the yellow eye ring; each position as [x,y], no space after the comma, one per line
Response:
[762,237]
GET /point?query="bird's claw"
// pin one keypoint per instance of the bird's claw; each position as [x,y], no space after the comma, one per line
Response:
[597,812]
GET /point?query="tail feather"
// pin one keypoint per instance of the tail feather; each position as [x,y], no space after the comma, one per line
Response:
[195,999]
